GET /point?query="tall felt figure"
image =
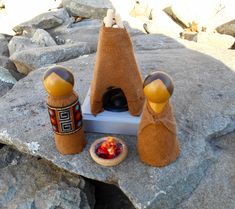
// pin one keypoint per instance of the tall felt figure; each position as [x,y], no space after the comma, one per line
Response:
[157,139]
[64,110]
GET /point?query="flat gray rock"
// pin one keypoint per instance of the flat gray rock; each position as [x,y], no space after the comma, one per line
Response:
[154,42]
[5,36]
[40,38]
[43,38]
[6,81]
[6,76]
[87,8]
[6,63]
[5,87]
[3,47]
[31,59]
[44,21]
[27,182]
[204,108]
[84,31]
[20,43]
[217,188]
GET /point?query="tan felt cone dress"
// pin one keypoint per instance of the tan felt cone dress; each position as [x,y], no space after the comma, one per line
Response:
[157,141]
[116,67]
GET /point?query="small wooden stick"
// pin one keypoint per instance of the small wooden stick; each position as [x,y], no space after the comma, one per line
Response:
[119,20]
[108,20]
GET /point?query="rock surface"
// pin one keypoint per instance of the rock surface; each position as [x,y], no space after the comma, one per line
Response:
[6,81]
[215,40]
[3,47]
[4,87]
[216,190]
[6,63]
[87,8]
[201,82]
[162,23]
[6,76]
[43,38]
[185,12]
[17,12]
[29,60]
[84,31]
[154,42]
[46,20]
[227,28]
[20,43]
[27,182]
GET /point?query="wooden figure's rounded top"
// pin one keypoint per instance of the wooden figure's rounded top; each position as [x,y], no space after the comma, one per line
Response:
[158,87]
[58,81]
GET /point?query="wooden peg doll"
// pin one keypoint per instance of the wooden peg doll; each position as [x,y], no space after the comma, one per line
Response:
[157,140]
[64,110]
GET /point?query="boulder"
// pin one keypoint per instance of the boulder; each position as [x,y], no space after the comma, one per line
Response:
[233,46]
[5,62]
[27,182]
[182,21]
[217,189]
[96,9]
[6,76]
[162,23]
[83,31]
[17,12]
[203,106]
[46,21]
[5,36]
[43,38]
[7,81]
[21,43]
[145,42]
[185,12]
[227,28]
[4,87]
[86,30]
[3,47]
[210,39]
[31,59]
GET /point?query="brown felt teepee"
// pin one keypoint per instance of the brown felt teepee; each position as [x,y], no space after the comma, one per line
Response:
[116,67]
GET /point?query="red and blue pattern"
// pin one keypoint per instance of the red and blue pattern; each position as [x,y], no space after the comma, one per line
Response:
[66,120]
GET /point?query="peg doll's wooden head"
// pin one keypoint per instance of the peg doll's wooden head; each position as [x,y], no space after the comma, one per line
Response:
[58,81]
[158,88]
